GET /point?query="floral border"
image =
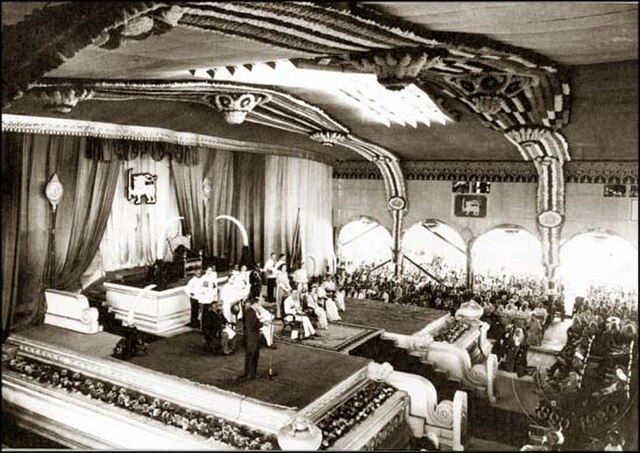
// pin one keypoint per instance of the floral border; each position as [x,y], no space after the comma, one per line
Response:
[192,421]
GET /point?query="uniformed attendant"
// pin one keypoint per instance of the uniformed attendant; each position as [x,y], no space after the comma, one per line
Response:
[193,288]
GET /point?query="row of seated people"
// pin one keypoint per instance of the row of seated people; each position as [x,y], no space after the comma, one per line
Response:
[519,300]
[596,355]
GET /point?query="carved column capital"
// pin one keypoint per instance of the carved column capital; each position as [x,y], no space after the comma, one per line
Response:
[236,106]
[396,68]
[327,138]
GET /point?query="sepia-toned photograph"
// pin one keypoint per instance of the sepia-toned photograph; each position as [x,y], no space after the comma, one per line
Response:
[305,226]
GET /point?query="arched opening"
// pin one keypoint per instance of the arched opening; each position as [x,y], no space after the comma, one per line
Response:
[504,252]
[435,247]
[596,261]
[364,242]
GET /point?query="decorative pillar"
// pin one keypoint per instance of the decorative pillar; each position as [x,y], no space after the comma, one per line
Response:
[548,150]
[470,278]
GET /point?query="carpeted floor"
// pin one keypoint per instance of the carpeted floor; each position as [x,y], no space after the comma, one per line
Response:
[401,319]
[338,337]
[304,374]
[100,344]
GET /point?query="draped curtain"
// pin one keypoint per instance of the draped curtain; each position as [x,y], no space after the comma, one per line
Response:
[28,267]
[218,168]
[291,184]
[248,206]
[187,182]
[136,235]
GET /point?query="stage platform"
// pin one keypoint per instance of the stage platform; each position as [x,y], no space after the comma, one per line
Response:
[306,370]
[314,378]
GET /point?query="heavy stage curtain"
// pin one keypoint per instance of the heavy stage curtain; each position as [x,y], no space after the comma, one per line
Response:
[248,206]
[291,184]
[136,235]
[218,169]
[28,267]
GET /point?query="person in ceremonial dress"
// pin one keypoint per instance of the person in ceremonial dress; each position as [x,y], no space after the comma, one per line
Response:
[293,306]
[311,300]
[283,288]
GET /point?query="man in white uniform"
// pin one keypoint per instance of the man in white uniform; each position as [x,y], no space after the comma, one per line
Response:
[193,288]
[270,272]
[293,307]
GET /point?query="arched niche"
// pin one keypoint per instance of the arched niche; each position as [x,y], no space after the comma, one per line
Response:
[600,258]
[435,246]
[364,241]
[507,250]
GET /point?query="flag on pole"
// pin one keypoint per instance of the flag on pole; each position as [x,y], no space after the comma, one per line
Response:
[295,258]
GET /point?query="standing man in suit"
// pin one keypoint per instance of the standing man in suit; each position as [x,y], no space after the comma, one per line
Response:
[270,272]
[255,282]
[252,327]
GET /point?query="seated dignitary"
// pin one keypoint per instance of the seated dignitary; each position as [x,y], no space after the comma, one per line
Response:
[310,301]
[283,288]
[217,334]
[292,306]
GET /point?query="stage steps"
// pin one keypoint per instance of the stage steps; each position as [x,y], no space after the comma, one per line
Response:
[401,359]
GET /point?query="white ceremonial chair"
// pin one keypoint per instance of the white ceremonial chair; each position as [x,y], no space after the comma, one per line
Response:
[71,311]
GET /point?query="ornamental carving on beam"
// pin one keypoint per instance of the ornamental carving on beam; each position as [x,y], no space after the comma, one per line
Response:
[327,138]
[158,22]
[487,92]
[236,106]
[397,68]
[62,99]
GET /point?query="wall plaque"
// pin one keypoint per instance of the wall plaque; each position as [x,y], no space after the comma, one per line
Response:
[470,206]
[141,187]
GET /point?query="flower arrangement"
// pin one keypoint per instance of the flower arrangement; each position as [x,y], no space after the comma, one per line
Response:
[451,332]
[355,410]
[195,422]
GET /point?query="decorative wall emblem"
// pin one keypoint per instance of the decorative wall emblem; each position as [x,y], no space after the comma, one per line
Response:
[550,219]
[141,187]
[397,203]
[398,68]
[63,99]
[470,206]
[327,138]
[54,191]
[236,107]
[207,189]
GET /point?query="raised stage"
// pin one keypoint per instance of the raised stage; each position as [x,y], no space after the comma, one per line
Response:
[315,378]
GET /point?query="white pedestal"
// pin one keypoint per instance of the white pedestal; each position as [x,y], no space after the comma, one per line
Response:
[70,311]
[158,312]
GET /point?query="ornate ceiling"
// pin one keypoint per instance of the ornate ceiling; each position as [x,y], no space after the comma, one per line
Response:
[484,82]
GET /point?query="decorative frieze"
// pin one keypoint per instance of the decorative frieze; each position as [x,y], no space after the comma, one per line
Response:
[584,172]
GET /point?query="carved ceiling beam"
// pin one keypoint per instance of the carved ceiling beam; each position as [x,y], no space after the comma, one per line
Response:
[62,31]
